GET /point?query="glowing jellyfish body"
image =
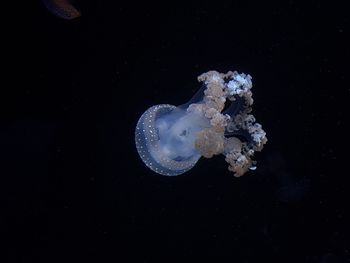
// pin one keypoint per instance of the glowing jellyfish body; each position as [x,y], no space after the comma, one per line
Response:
[165,137]
[170,140]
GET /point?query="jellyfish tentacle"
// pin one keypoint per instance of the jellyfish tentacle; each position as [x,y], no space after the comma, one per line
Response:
[196,98]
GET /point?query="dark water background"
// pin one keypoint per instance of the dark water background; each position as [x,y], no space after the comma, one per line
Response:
[74,188]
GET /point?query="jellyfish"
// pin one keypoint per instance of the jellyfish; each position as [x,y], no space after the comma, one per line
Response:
[62,8]
[217,120]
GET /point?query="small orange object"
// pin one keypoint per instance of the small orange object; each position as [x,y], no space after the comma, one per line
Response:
[62,8]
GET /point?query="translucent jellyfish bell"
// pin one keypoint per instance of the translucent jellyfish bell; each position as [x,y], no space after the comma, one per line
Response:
[165,138]
[170,140]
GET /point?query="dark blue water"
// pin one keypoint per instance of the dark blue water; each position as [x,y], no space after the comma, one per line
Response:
[73,185]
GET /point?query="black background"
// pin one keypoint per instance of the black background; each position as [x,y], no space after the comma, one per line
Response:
[74,187]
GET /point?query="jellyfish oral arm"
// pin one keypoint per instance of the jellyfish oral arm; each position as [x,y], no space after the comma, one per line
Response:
[170,140]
